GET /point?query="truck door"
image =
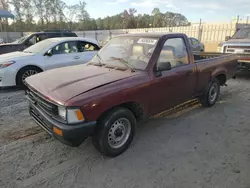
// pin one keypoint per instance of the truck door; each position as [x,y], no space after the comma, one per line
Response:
[172,87]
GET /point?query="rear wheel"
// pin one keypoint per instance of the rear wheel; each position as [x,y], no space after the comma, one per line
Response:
[115,132]
[211,94]
[25,73]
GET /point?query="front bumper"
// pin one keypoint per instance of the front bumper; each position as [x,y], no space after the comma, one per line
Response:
[7,77]
[72,135]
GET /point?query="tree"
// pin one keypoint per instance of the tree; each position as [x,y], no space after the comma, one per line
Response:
[18,12]
[129,18]
[33,15]
[99,23]
[82,14]
[157,18]
[28,13]
[39,4]
[71,14]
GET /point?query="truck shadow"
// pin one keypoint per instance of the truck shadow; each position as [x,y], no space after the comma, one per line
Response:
[245,75]
[9,89]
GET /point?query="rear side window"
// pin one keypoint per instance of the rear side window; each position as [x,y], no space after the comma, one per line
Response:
[69,34]
[65,48]
[87,46]
[195,41]
[54,35]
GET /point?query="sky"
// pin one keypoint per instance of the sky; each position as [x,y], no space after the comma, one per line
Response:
[194,10]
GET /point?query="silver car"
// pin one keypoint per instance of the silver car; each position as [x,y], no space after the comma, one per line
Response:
[196,45]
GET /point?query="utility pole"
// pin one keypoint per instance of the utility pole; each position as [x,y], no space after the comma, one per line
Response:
[238,18]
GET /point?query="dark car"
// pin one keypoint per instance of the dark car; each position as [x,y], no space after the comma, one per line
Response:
[26,41]
[132,77]
[196,45]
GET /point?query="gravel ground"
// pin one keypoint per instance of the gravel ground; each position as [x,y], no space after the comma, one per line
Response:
[189,146]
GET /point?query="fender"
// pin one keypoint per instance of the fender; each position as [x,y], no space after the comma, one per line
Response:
[30,65]
[218,71]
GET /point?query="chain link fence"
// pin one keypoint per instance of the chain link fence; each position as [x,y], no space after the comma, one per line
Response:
[209,34]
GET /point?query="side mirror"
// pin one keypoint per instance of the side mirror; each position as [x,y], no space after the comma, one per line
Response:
[227,38]
[163,66]
[48,53]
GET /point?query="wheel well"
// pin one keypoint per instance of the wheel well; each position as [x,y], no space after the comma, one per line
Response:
[26,67]
[221,78]
[134,107]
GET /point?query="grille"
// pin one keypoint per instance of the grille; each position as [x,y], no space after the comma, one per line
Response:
[46,106]
[237,49]
[40,121]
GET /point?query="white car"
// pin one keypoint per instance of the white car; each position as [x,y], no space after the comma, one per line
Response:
[51,53]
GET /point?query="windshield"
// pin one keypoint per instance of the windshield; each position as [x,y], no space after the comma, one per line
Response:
[242,34]
[21,40]
[127,52]
[39,47]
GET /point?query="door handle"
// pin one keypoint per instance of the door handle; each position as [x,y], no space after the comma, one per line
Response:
[76,57]
[189,73]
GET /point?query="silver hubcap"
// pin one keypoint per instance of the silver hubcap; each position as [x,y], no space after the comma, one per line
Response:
[213,92]
[119,133]
[28,73]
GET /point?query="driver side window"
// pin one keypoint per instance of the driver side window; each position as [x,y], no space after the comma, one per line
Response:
[36,38]
[174,51]
[65,48]
[32,40]
[86,46]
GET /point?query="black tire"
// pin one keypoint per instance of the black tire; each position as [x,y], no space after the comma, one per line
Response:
[102,135]
[22,72]
[211,94]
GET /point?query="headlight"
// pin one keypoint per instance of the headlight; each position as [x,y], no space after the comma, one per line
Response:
[6,64]
[219,48]
[62,112]
[71,115]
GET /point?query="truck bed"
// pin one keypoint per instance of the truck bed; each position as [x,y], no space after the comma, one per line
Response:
[214,63]
[199,57]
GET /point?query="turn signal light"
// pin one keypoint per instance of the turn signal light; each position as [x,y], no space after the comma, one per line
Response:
[57,131]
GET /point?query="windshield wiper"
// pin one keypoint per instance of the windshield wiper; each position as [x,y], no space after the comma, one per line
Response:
[124,62]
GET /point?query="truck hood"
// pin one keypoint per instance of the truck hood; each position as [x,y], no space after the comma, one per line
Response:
[63,84]
[237,42]
[14,56]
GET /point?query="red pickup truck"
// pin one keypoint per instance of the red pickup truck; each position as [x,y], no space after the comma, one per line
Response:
[132,77]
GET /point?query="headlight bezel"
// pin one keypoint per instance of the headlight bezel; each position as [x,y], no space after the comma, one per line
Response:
[6,64]
[219,49]
[71,115]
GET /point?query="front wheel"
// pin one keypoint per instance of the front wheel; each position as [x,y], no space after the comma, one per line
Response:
[25,73]
[211,94]
[115,132]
